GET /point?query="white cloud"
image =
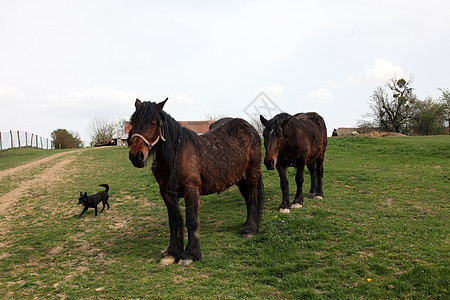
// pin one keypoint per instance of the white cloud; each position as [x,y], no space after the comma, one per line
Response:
[332,84]
[92,102]
[275,92]
[353,79]
[320,96]
[8,91]
[382,70]
[180,98]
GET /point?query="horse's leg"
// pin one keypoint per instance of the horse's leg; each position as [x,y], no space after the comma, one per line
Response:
[192,252]
[243,188]
[285,206]
[319,171]
[173,252]
[298,201]
[313,175]
[251,188]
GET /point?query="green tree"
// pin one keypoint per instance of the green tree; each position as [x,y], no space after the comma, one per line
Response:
[392,105]
[63,139]
[428,117]
[445,101]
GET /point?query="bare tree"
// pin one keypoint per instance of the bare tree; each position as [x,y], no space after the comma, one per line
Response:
[213,117]
[256,122]
[102,130]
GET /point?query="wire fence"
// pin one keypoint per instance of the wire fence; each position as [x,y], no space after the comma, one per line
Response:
[18,139]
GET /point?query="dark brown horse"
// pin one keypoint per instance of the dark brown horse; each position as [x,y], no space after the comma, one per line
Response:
[186,166]
[296,141]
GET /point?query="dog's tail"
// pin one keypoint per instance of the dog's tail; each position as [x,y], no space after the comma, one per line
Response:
[105,186]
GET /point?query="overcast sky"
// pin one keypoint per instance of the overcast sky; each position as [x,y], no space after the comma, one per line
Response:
[64,63]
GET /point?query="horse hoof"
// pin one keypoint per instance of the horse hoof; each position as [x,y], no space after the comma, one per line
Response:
[318,198]
[185,262]
[311,195]
[167,261]
[296,205]
[285,210]
[247,235]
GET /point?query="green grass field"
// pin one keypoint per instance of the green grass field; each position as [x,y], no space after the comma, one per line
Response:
[381,232]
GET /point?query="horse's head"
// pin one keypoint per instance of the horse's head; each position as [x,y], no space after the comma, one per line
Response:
[273,138]
[146,131]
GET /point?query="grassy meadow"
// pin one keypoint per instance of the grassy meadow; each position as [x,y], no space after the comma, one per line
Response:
[381,231]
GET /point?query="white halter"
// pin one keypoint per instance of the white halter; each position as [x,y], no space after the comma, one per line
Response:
[150,145]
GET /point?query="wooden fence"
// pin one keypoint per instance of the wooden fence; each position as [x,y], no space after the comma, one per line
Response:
[17,139]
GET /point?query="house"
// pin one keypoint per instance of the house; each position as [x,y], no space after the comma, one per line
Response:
[198,127]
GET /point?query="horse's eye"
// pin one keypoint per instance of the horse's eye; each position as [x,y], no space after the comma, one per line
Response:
[153,122]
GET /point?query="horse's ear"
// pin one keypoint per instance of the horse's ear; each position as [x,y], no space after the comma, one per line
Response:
[85,194]
[137,103]
[81,194]
[264,121]
[160,105]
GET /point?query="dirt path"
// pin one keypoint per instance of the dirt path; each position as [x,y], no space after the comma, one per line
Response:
[48,177]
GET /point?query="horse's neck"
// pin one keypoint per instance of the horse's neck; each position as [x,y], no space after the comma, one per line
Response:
[164,152]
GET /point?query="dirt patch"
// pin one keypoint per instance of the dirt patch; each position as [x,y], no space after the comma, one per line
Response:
[46,178]
[33,164]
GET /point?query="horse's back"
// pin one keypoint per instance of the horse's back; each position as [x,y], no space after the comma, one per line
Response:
[226,153]
[307,132]
[231,128]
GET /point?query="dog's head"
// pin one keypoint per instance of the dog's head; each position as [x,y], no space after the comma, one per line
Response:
[83,198]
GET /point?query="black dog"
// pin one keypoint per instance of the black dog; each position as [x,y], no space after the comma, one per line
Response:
[94,200]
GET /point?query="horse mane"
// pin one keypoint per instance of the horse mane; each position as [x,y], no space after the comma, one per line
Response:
[273,123]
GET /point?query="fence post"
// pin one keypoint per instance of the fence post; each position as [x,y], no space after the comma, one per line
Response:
[12,141]
[1,144]
[37,143]
[18,138]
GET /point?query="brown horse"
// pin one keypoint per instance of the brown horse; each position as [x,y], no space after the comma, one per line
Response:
[296,141]
[186,165]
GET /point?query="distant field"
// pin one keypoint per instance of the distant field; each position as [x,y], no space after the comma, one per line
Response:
[381,232]
[13,157]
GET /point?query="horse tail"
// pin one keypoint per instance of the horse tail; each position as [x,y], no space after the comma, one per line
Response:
[105,186]
[260,199]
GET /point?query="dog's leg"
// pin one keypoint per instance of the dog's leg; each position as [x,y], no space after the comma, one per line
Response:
[103,207]
[95,210]
[84,210]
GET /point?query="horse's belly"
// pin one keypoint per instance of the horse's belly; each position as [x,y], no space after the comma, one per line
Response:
[217,183]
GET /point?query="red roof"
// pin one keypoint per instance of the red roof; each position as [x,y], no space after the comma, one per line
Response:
[197,126]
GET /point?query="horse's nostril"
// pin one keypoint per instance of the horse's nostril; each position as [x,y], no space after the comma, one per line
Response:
[137,159]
